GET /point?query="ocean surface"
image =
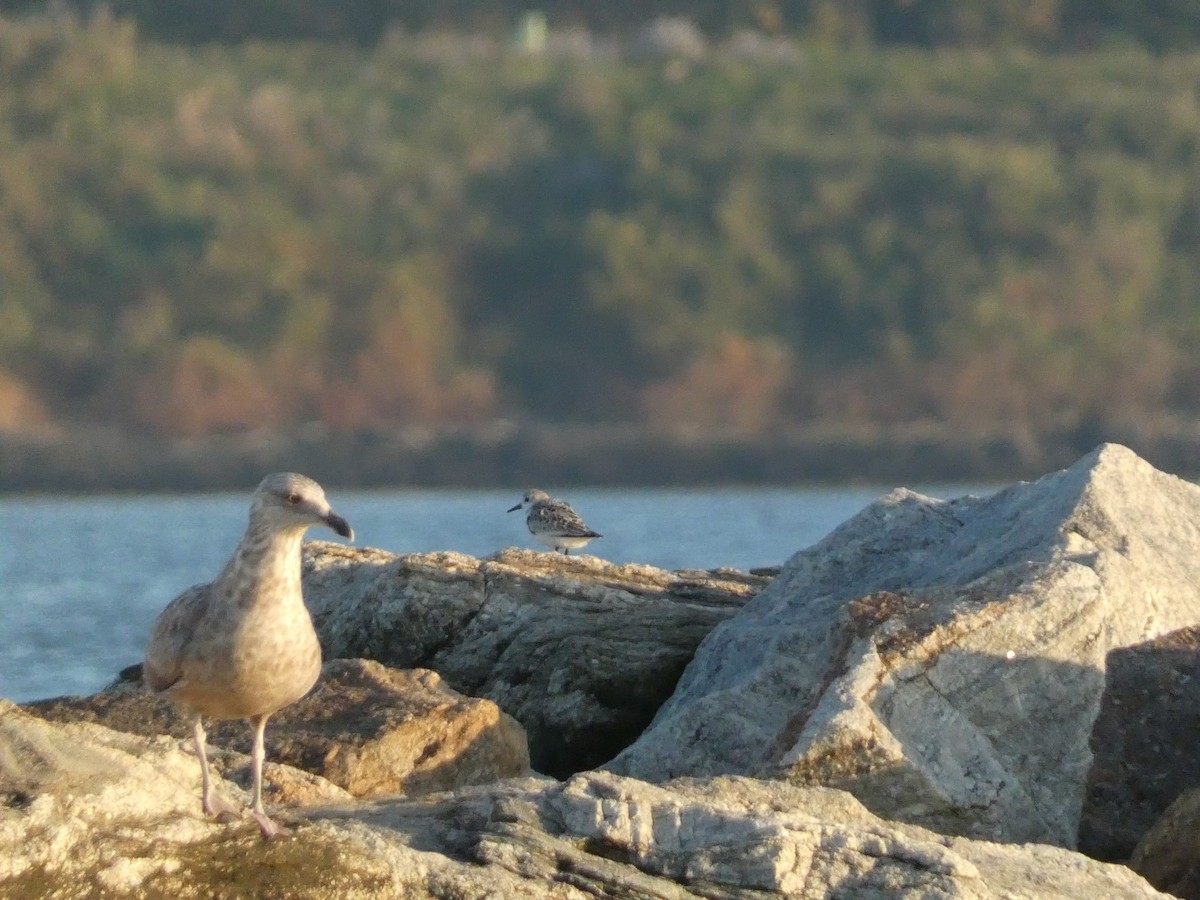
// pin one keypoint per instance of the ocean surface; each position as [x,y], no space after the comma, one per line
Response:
[82,579]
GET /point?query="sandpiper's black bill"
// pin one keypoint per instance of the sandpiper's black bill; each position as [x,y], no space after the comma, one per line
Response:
[515,508]
[340,526]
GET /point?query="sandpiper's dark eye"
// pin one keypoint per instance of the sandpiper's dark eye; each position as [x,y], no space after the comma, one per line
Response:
[293,499]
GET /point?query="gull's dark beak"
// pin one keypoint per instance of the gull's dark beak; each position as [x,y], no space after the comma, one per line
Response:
[340,526]
[515,508]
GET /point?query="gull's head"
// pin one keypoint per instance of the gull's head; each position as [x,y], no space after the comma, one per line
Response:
[290,502]
[532,496]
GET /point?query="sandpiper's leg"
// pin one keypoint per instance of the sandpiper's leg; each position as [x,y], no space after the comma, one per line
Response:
[566,551]
[269,828]
[214,803]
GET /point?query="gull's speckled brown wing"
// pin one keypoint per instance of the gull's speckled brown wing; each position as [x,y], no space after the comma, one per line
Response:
[173,632]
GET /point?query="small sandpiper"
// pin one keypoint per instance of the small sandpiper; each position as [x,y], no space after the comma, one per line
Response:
[554,523]
[243,646]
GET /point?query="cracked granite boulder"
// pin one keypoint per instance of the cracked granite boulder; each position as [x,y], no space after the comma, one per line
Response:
[943,660]
[580,651]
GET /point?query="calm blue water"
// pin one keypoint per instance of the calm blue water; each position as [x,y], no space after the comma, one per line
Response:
[81,579]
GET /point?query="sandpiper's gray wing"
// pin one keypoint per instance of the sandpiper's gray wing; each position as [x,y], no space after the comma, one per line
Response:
[172,632]
[557,518]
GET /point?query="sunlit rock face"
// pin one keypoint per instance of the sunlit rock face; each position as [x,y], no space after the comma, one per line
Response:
[366,728]
[944,660]
[86,811]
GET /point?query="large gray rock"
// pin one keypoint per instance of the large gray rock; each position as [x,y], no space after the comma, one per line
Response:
[944,660]
[85,811]
[582,652]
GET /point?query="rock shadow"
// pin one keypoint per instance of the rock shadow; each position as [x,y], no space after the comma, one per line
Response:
[1146,742]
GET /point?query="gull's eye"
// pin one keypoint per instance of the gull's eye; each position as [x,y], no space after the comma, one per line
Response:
[293,499]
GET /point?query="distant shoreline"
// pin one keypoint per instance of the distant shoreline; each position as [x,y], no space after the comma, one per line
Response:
[505,454]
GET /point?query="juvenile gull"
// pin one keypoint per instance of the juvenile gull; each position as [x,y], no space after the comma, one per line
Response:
[243,646]
[554,523]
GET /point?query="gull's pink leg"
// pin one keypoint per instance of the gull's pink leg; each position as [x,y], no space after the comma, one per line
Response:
[214,803]
[269,828]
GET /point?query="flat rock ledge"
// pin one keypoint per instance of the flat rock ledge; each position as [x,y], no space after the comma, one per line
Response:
[366,728]
[582,652]
[944,660]
[87,811]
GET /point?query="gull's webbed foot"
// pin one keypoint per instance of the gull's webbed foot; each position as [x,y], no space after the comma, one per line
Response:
[269,827]
[216,805]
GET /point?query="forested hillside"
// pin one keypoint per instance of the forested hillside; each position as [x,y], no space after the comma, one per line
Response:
[1047,24]
[437,227]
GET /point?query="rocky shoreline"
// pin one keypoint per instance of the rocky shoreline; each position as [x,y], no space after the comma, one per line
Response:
[517,454]
[964,698]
